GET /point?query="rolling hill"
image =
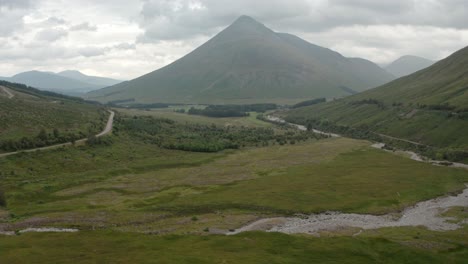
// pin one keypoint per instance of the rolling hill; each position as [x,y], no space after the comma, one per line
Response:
[248,62]
[67,82]
[429,107]
[407,65]
[25,111]
[94,80]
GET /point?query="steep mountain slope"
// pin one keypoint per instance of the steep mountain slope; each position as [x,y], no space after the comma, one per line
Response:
[94,80]
[429,106]
[407,65]
[247,62]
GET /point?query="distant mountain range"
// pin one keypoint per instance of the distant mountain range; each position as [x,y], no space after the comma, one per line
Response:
[248,62]
[429,106]
[66,82]
[407,65]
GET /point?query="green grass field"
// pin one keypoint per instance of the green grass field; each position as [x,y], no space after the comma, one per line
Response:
[419,246]
[178,200]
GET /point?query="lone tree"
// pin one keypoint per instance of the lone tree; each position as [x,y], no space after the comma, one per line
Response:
[56,133]
[42,134]
[2,199]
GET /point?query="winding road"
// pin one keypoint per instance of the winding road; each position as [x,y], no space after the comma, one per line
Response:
[106,131]
[5,90]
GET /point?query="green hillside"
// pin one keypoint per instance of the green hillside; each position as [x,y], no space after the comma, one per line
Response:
[246,63]
[429,107]
[30,111]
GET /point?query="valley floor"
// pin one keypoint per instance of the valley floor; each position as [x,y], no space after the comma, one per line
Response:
[133,201]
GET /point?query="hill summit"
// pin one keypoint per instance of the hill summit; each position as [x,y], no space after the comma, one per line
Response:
[407,65]
[248,62]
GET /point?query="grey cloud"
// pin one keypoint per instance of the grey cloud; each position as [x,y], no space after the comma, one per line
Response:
[55,21]
[173,20]
[183,19]
[13,4]
[51,35]
[86,26]
[10,22]
[377,6]
[12,13]
[125,46]
[92,51]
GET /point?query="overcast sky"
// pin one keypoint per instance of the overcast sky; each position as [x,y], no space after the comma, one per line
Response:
[127,38]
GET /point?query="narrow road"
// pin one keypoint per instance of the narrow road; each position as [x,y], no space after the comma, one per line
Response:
[110,123]
[106,131]
[401,139]
[275,119]
[5,90]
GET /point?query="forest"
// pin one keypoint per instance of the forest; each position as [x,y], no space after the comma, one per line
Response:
[231,110]
[170,134]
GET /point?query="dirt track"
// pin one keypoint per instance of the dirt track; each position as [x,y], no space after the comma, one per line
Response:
[5,90]
[106,131]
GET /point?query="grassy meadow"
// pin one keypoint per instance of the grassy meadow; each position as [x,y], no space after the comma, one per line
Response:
[136,202]
[418,246]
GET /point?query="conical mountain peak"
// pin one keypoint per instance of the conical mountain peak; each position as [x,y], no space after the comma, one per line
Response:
[248,24]
[246,20]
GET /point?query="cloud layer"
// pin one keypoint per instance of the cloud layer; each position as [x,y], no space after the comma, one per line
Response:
[125,39]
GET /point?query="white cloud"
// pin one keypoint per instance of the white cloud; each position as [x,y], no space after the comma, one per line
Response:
[51,35]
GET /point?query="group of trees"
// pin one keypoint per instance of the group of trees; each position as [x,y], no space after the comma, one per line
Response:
[439,107]
[169,134]
[42,139]
[231,110]
[309,102]
[376,102]
[96,141]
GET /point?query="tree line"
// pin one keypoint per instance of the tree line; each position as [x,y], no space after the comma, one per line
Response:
[309,103]
[42,139]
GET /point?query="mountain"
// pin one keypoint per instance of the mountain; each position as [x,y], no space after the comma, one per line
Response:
[429,107]
[98,81]
[67,82]
[407,65]
[52,82]
[248,62]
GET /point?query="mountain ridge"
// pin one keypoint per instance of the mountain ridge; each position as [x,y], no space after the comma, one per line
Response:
[65,82]
[248,62]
